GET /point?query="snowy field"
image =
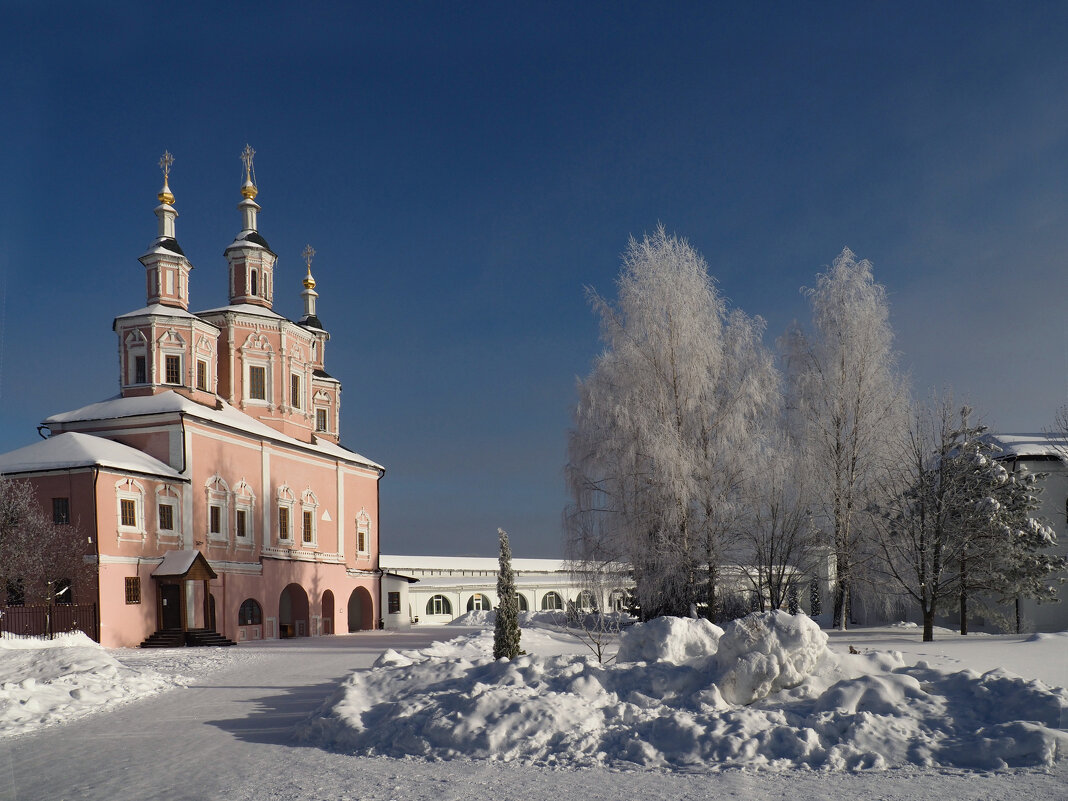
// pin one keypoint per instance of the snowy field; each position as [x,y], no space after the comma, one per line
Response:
[771,709]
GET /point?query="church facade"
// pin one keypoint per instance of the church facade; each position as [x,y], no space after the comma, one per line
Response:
[213,491]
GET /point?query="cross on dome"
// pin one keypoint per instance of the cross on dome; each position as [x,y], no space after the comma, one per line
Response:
[165,162]
[248,189]
[308,253]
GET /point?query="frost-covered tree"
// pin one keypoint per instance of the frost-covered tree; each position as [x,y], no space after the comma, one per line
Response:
[506,629]
[781,545]
[40,562]
[664,427]
[849,407]
[931,520]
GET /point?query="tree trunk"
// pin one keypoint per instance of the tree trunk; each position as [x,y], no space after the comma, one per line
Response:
[963,610]
[928,624]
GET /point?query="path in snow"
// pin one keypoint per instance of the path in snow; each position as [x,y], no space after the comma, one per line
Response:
[229,736]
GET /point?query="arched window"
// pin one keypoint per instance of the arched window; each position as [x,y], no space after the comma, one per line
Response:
[438,605]
[586,601]
[478,601]
[523,607]
[250,613]
[552,600]
[252,283]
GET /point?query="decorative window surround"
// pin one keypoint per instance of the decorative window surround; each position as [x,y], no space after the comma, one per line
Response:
[244,503]
[131,491]
[218,496]
[363,533]
[286,521]
[309,507]
[168,496]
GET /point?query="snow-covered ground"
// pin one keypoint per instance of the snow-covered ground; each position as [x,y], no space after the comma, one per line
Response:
[236,723]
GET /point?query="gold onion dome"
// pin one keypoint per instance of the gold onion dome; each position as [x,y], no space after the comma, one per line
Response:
[249,190]
[165,195]
[309,282]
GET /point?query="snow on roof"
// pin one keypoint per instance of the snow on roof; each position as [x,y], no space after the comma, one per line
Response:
[176,563]
[247,308]
[159,310]
[172,402]
[1022,446]
[402,563]
[71,449]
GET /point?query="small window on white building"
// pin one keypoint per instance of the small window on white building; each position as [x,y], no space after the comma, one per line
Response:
[478,601]
[552,600]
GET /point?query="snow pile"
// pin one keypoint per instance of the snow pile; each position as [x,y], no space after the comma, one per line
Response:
[52,681]
[669,639]
[766,692]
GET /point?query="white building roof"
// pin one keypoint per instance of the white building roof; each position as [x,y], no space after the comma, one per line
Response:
[247,308]
[484,563]
[71,449]
[172,402]
[159,310]
[1021,446]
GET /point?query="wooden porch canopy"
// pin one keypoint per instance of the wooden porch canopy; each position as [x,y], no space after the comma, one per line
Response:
[179,567]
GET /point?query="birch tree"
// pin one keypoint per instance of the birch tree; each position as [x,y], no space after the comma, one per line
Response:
[849,405]
[663,426]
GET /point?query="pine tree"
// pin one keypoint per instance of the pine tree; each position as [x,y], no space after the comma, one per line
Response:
[506,629]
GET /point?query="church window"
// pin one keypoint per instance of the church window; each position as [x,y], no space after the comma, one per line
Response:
[250,613]
[242,523]
[166,517]
[478,601]
[257,383]
[215,514]
[61,511]
[133,589]
[393,599]
[129,512]
[309,523]
[173,370]
[245,503]
[218,497]
[363,531]
[202,375]
[252,283]
[320,419]
[283,523]
[170,282]
[294,391]
[140,373]
[552,600]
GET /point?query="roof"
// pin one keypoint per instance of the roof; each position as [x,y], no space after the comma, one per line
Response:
[246,238]
[71,449]
[484,563]
[173,403]
[159,310]
[191,564]
[247,308]
[1022,446]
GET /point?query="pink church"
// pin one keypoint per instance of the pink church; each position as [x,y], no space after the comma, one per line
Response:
[213,494]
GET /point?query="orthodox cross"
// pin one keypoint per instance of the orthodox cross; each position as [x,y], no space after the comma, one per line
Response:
[246,157]
[165,162]
[308,253]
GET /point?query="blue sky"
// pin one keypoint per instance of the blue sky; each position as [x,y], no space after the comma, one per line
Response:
[465,170]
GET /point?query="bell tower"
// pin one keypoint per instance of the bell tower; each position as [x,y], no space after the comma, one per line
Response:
[166,267]
[250,258]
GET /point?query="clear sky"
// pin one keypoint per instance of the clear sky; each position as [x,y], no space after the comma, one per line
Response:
[465,170]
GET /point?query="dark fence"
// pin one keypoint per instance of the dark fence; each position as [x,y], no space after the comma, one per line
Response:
[47,621]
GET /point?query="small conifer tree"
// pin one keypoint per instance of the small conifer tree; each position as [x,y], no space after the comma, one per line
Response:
[506,630]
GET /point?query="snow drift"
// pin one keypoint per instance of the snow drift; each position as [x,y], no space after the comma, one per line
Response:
[763,692]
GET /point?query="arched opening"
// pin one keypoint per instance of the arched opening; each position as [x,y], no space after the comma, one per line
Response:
[617,600]
[552,600]
[585,601]
[478,601]
[438,605]
[523,606]
[361,610]
[328,612]
[250,613]
[293,612]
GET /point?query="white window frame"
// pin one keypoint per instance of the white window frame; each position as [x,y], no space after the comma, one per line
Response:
[218,494]
[128,489]
[309,503]
[363,531]
[245,501]
[286,501]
